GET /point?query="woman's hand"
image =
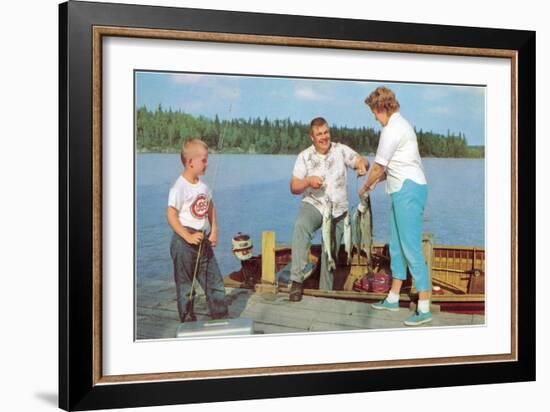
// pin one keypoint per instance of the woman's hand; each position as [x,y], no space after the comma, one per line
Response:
[364,189]
[376,174]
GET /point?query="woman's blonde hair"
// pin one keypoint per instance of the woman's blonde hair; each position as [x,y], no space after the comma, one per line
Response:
[383,99]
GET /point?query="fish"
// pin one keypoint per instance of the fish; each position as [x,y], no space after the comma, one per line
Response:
[364,229]
[347,238]
[327,236]
[357,217]
[368,231]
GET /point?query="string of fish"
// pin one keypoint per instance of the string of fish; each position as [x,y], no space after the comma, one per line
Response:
[362,219]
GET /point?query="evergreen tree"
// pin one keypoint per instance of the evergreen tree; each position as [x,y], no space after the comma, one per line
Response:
[164,131]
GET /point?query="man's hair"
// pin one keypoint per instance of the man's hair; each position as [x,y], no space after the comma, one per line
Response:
[317,122]
[187,148]
[383,99]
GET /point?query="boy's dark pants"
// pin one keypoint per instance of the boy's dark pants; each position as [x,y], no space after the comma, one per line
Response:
[184,257]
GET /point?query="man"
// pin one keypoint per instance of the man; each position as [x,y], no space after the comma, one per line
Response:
[320,175]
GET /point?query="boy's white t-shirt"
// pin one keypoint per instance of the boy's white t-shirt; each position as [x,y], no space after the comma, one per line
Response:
[192,201]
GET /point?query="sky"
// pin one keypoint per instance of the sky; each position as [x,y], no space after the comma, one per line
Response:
[430,107]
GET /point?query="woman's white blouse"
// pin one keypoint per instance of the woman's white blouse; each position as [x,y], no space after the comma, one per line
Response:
[398,153]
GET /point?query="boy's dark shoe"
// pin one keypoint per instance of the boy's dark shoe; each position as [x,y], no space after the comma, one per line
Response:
[296,291]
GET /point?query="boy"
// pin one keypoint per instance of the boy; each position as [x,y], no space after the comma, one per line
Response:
[191,215]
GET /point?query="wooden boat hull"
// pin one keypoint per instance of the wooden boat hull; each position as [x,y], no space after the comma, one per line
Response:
[458,271]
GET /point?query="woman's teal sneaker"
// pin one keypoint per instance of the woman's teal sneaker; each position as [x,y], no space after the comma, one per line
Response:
[385,305]
[419,318]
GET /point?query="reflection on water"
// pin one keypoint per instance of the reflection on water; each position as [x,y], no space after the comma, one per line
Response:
[251,194]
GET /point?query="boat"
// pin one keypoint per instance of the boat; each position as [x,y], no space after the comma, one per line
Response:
[457,274]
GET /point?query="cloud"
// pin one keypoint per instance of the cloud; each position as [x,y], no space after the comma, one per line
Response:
[185,78]
[230,93]
[192,106]
[278,93]
[211,99]
[307,93]
[434,93]
[478,91]
[205,92]
[441,110]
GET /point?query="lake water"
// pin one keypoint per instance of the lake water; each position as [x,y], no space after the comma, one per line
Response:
[251,194]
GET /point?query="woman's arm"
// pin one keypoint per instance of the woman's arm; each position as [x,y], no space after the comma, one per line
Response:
[377,174]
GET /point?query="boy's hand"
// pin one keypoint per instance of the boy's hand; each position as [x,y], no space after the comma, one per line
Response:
[195,238]
[213,238]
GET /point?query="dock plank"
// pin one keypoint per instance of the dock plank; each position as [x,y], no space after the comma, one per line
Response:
[478,319]
[354,324]
[279,315]
[366,320]
[157,315]
[267,328]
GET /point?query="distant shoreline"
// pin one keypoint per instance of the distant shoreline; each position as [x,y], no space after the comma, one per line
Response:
[242,152]
[163,131]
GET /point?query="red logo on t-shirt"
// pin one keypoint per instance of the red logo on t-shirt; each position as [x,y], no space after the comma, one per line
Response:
[199,207]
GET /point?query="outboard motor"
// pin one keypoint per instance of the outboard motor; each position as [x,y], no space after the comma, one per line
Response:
[242,246]
[242,249]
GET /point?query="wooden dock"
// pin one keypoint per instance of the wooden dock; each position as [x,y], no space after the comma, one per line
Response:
[157,315]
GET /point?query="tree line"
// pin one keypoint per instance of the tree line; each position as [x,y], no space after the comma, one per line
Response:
[164,130]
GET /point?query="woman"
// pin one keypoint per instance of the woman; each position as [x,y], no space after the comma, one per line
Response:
[398,162]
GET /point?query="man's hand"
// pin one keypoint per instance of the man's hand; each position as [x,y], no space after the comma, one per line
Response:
[361,166]
[315,181]
[213,238]
[195,238]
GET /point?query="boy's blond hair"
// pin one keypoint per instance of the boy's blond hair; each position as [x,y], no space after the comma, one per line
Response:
[187,149]
[383,99]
